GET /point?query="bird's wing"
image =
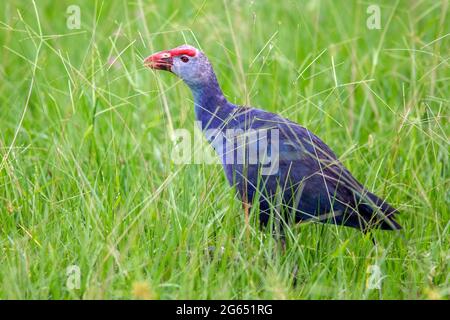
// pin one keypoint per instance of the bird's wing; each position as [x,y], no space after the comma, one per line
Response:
[305,157]
[302,150]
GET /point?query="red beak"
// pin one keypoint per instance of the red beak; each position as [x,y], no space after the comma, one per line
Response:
[159,61]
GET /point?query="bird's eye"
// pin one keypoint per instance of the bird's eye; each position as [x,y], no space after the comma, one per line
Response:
[184,59]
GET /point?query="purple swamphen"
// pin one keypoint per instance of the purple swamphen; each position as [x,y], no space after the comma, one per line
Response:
[274,163]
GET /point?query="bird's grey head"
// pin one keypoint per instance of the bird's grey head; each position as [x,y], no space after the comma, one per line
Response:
[187,62]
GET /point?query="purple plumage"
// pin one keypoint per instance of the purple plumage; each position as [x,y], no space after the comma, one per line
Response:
[273,162]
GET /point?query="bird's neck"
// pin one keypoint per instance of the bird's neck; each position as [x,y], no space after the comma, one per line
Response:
[211,106]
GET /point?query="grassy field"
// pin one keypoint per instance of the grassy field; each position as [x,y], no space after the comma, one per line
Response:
[89,192]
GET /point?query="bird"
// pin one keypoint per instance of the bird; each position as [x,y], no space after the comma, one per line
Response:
[276,165]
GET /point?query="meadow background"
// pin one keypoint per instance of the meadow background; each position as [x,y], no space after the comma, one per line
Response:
[87,182]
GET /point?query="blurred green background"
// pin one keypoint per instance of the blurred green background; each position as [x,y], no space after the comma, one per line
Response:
[88,190]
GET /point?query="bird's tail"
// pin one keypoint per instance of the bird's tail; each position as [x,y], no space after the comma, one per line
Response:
[378,213]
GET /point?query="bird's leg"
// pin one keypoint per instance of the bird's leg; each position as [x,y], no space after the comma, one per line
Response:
[295,275]
[281,237]
[374,241]
[371,235]
[246,207]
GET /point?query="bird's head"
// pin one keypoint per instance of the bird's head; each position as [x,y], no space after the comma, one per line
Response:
[187,62]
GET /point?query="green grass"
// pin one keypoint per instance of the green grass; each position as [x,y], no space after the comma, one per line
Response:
[86,176]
